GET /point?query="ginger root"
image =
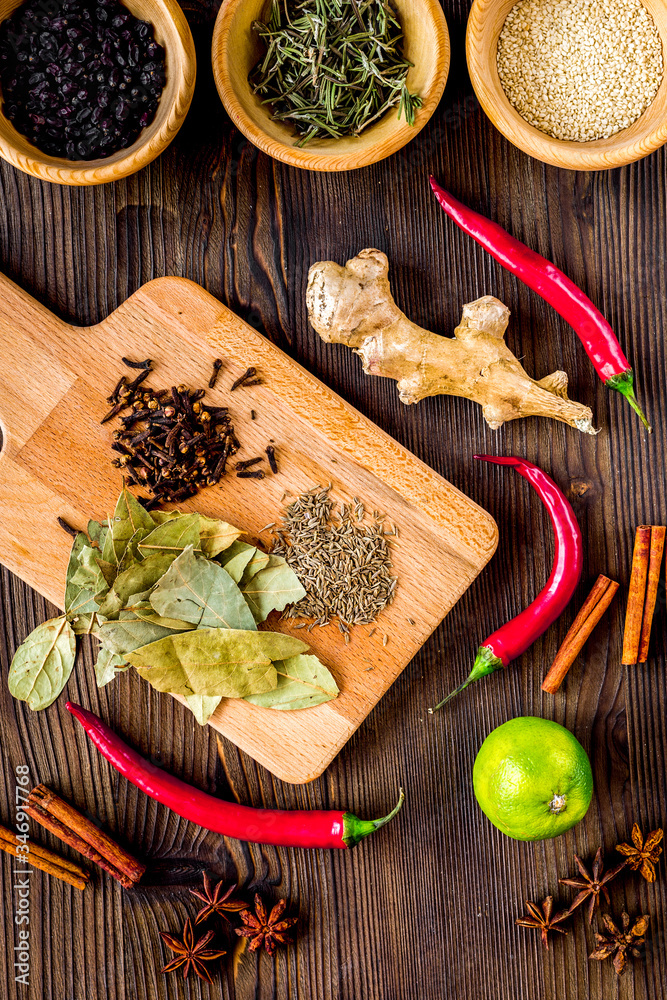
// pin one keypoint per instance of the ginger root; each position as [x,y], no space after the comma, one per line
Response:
[353,305]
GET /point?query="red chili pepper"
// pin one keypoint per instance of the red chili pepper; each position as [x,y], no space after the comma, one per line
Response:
[289,828]
[555,288]
[513,638]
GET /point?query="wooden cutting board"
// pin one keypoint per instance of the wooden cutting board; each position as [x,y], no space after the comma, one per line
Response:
[56,462]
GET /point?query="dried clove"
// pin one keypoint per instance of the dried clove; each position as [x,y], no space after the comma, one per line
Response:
[114,411]
[113,398]
[141,377]
[245,379]
[171,442]
[271,455]
[67,527]
[217,365]
[137,364]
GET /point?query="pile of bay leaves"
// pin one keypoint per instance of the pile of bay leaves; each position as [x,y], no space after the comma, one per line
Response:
[179,597]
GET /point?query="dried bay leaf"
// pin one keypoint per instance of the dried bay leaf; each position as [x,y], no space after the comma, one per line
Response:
[131,554]
[160,516]
[43,663]
[85,624]
[303,681]
[216,536]
[139,599]
[259,561]
[229,663]
[108,554]
[89,574]
[202,706]
[146,613]
[108,666]
[129,632]
[173,536]
[79,599]
[138,579]
[108,571]
[97,532]
[272,589]
[111,605]
[236,558]
[202,592]
[162,592]
[129,518]
[104,534]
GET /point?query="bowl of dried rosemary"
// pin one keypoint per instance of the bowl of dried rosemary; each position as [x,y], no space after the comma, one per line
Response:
[330,84]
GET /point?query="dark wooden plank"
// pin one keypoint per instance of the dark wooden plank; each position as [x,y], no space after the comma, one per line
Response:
[429,905]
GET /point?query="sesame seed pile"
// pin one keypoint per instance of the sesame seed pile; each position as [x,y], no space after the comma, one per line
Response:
[580,69]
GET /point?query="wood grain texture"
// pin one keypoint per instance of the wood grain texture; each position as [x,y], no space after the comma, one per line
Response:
[426,908]
[236,50]
[171,31]
[60,455]
[485,24]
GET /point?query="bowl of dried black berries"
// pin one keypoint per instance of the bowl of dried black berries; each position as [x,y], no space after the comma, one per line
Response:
[92,90]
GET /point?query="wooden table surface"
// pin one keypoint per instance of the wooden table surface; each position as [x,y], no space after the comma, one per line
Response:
[427,907]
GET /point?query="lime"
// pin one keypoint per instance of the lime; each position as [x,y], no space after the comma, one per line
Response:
[532,778]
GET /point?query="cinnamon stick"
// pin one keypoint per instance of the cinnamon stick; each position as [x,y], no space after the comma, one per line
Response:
[594,607]
[70,826]
[47,861]
[68,836]
[652,581]
[636,595]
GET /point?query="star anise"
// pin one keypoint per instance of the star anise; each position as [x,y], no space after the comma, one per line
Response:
[543,919]
[643,857]
[190,953]
[620,943]
[267,930]
[217,902]
[591,885]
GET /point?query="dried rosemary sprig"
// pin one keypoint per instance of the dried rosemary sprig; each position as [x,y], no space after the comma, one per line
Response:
[332,67]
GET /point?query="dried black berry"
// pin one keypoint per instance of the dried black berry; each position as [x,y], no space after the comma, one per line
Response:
[79,79]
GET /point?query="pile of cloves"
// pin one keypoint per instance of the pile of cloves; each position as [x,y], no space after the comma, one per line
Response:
[171,442]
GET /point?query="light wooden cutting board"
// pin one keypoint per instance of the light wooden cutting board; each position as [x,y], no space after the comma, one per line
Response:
[56,462]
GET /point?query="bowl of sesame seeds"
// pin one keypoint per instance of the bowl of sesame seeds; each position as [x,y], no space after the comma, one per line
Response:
[578,84]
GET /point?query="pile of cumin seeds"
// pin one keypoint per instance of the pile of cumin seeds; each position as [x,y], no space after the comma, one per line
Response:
[341,556]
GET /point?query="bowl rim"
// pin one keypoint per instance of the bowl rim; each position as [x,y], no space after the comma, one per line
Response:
[567,154]
[57,170]
[328,160]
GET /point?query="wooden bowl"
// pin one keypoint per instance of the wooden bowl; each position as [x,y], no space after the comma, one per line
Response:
[236,49]
[173,33]
[485,23]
